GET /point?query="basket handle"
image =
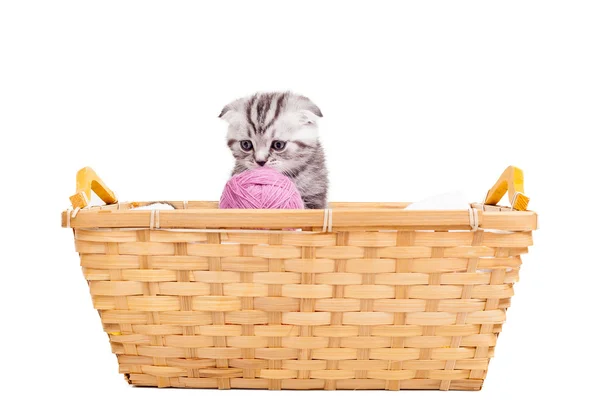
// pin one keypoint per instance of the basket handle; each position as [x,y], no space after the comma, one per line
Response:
[511,180]
[88,181]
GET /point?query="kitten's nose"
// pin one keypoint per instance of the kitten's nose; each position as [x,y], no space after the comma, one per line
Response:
[261,163]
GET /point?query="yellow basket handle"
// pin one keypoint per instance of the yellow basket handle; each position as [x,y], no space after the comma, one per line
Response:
[511,181]
[88,181]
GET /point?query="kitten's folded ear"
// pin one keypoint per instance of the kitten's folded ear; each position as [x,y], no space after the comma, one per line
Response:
[224,111]
[308,105]
[309,112]
[230,112]
[306,117]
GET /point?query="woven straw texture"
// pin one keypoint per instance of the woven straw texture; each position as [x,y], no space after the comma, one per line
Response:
[389,299]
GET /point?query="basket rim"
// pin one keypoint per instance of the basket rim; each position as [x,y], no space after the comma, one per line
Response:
[206,215]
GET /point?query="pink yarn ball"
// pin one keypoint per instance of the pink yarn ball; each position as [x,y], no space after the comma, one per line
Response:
[261,188]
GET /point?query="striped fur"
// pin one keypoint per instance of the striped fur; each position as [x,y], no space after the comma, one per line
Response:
[267,117]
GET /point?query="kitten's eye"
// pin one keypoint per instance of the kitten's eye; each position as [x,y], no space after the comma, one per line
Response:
[278,145]
[246,145]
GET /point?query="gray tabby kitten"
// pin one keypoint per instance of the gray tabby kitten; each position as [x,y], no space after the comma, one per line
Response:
[279,130]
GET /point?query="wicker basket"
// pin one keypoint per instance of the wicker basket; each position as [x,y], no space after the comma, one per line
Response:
[367,296]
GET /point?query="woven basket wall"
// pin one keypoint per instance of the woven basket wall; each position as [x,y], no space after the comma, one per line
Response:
[389,299]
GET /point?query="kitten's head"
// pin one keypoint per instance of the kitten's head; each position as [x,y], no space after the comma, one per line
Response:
[278,130]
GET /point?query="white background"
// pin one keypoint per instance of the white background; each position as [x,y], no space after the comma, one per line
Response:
[419,99]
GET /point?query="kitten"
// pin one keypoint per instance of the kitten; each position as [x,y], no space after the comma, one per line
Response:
[279,130]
